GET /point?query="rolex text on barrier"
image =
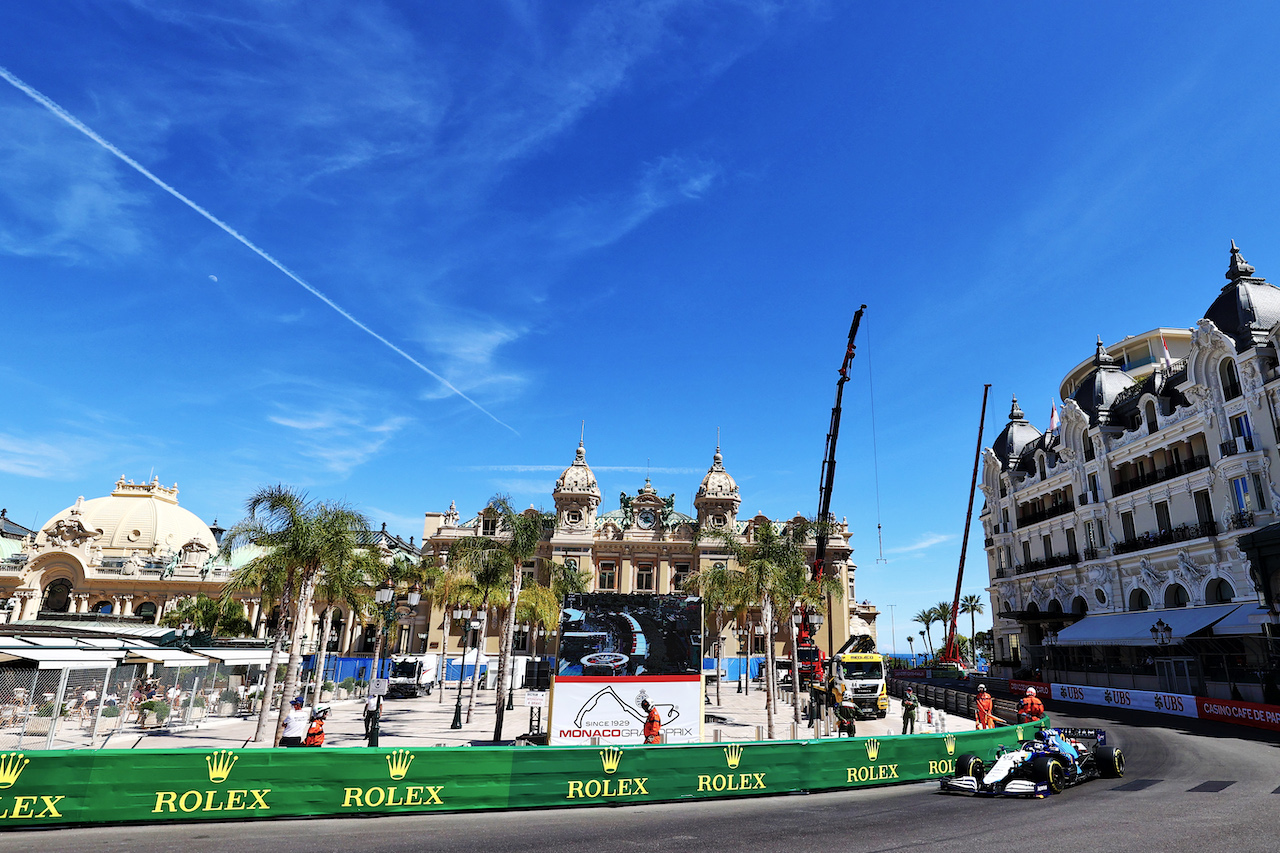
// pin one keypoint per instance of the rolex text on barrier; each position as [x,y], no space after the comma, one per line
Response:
[114,786]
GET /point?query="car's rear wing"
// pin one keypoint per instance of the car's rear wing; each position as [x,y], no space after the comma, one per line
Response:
[1085,734]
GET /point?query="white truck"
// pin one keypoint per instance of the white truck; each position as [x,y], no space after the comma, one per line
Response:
[412,675]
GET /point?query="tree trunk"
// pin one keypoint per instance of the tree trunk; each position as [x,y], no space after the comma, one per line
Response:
[444,655]
[766,616]
[302,617]
[326,625]
[795,671]
[719,662]
[269,685]
[505,645]
[475,669]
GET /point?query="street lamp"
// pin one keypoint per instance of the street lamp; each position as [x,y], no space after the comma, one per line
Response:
[1161,634]
[461,614]
[511,676]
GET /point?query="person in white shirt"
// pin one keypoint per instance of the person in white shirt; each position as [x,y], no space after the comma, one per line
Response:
[372,712]
[295,725]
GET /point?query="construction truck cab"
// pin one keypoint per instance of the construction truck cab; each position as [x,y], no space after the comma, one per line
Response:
[859,679]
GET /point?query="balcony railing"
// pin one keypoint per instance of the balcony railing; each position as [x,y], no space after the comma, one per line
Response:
[1160,475]
[1240,521]
[1231,390]
[1002,572]
[1045,514]
[1239,444]
[988,542]
[1181,533]
[1051,563]
[1090,554]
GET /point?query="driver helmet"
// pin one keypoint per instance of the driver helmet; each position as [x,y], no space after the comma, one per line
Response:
[982,687]
[1031,691]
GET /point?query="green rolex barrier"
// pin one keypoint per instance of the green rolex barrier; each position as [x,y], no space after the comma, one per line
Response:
[114,786]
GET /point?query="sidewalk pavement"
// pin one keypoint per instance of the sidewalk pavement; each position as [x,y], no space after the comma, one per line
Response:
[425,722]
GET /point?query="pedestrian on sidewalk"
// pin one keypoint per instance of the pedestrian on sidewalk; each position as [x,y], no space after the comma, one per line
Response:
[983,709]
[909,706]
[372,712]
[295,725]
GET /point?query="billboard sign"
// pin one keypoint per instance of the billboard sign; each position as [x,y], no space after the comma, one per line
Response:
[617,651]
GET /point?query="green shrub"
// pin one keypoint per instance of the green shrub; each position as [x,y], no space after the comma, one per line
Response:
[45,710]
[349,683]
[111,711]
[230,695]
[198,702]
[158,707]
[328,685]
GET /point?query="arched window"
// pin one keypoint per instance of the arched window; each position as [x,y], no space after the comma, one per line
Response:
[1176,596]
[1055,606]
[1040,465]
[146,610]
[1139,600]
[1088,444]
[102,607]
[1219,591]
[1230,381]
[1100,595]
[57,596]
[1079,606]
[1149,414]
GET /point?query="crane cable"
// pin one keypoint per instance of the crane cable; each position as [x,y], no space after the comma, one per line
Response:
[875,452]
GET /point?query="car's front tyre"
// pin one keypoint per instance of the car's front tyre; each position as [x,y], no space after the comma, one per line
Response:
[969,765]
[1110,761]
[1049,770]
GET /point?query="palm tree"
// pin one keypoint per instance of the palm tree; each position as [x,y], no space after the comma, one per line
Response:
[926,618]
[768,566]
[972,604]
[446,591]
[722,597]
[942,613]
[346,582]
[214,616]
[299,539]
[520,533]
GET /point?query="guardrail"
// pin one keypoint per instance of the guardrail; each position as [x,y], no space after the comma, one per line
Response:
[62,787]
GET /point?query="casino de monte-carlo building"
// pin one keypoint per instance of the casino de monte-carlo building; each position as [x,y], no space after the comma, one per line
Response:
[647,546]
[1113,543]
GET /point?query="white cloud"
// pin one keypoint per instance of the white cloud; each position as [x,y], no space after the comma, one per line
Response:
[342,428]
[48,460]
[926,540]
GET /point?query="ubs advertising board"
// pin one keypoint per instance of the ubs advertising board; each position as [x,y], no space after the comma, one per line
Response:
[618,650]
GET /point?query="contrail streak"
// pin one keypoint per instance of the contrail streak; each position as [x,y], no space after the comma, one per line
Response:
[142,170]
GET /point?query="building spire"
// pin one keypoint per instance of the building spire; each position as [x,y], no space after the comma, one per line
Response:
[1239,268]
[1015,413]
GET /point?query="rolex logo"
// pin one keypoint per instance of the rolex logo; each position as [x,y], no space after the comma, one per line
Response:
[398,763]
[873,749]
[11,766]
[1019,734]
[951,744]
[732,755]
[611,758]
[220,763]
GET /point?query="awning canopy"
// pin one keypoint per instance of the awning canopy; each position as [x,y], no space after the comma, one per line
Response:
[165,657]
[1134,629]
[46,658]
[1238,622]
[241,657]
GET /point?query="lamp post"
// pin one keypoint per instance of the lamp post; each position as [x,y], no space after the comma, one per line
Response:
[740,631]
[384,596]
[461,614]
[511,667]
[1161,634]
[1050,642]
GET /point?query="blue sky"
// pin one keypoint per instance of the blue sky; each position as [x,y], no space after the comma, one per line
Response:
[655,217]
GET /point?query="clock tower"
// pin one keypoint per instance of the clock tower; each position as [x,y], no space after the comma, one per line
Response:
[717,500]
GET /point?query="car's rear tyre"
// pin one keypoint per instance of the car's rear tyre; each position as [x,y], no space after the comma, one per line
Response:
[1110,761]
[969,765]
[1049,770]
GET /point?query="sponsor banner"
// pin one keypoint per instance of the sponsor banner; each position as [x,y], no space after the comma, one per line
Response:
[609,709]
[1141,700]
[64,787]
[1242,713]
[907,673]
[1020,687]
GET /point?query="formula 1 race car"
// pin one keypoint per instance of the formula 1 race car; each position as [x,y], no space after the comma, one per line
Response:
[1055,759]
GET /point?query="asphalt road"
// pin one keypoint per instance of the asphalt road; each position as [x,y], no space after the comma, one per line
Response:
[1189,786]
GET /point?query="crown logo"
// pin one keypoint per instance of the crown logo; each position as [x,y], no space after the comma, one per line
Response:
[11,767]
[611,758]
[220,763]
[1019,733]
[398,763]
[732,755]
[951,744]
[873,749]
